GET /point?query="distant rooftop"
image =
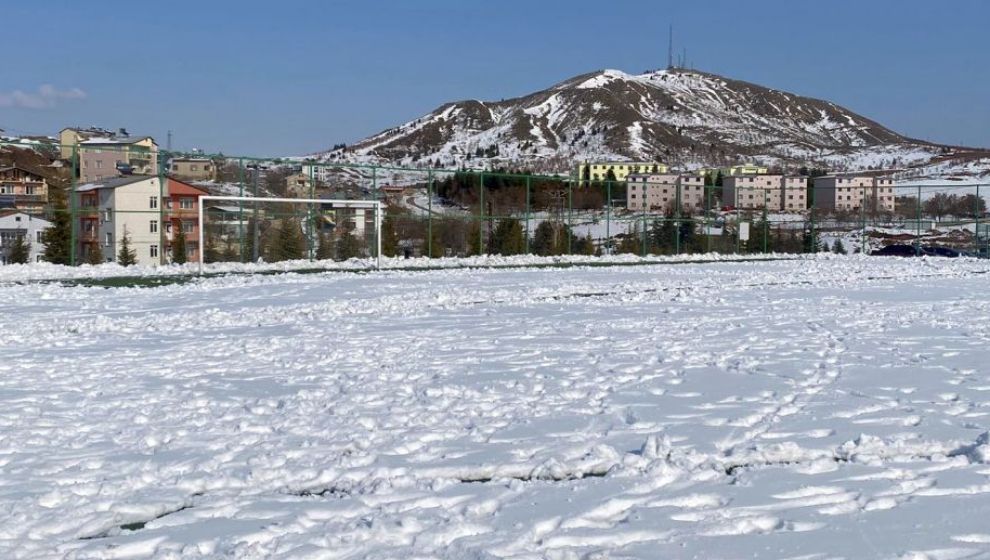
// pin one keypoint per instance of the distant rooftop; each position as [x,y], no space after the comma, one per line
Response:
[113,183]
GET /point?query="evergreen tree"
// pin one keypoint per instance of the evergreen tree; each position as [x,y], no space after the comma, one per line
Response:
[838,248]
[286,242]
[585,245]
[631,242]
[348,246]
[94,255]
[759,236]
[543,239]
[811,243]
[20,251]
[436,248]
[325,249]
[508,237]
[686,231]
[58,237]
[178,244]
[126,256]
[474,238]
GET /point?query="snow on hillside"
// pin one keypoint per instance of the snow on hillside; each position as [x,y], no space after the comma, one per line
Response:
[686,118]
[720,410]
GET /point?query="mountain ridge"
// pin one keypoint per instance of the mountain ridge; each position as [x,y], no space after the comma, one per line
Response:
[687,118]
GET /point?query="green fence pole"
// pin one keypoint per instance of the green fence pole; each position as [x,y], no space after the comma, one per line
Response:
[73,218]
[528,210]
[240,208]
[810,207]
[481,214]
[162,194]
[311,222]
[642,249]
[570,217]
[976,227]
[429,213]
[862,221]
[608,217]
[677,217]
[917,226]
[766,221]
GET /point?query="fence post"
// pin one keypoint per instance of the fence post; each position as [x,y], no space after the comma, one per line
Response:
[677,217]
[917,226]
[570,215]
[73,218]
[240,208]
[608,217]
[642,249]
[766,221]
[528,210]
[481,214]
[429,214]
[976,227]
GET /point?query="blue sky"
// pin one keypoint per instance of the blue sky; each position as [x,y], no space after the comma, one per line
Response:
[258,77]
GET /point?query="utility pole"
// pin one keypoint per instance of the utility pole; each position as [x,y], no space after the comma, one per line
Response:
[168,142]
[670,47]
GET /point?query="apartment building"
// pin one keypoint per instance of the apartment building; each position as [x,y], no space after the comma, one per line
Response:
[23,189]
[752,191]
[111,208]
[599,171]
[182,217]
[103,154]
[662,191]
[743,169]
[193,168]
[854,193]
[14,224]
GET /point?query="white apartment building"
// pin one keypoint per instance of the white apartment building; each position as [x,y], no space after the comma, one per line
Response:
[770,192]
[662,191]
[14,224]
[862,192]
[111,208]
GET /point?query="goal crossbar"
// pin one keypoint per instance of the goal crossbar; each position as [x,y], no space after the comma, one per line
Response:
[334,203]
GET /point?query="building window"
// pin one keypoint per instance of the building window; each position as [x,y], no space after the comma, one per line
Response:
[193,168]
[39,237]
[108,214]
[153,250]
[31,190]
[99,164]
[168,203]
[168,228]
[175,167]
[108,238]
[186,203]
[153,202]
[153,226]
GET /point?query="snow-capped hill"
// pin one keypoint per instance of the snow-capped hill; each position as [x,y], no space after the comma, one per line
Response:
[684,117]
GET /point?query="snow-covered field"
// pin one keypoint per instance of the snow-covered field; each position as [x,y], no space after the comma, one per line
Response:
[816,408]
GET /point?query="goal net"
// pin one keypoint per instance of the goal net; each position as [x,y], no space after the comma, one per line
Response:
[252,229]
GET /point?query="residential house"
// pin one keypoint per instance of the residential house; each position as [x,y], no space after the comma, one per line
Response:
[752,191]
[14,224]
[620,170]
[103,154]
[182,217]
[23,189]
[663,191]
[298,185]
[110,208]
[193,168]
[854,193]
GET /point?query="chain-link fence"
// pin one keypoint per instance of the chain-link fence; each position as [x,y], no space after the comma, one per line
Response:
[124,200]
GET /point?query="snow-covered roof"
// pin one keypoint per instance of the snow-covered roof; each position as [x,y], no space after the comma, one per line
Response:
[113,183]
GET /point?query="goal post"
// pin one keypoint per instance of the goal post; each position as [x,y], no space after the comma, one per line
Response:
[317,207]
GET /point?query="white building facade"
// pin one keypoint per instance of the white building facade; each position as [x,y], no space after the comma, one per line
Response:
[19,224]
[663,192]
[110,209]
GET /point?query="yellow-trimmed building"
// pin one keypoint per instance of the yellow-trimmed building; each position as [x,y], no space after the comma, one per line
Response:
[598,170]
[744,169]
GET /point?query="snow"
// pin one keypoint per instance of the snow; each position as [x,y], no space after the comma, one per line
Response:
[817,408]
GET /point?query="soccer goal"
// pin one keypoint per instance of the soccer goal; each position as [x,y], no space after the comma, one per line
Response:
[249,229]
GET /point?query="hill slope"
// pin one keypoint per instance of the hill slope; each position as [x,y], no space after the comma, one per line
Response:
[687,118]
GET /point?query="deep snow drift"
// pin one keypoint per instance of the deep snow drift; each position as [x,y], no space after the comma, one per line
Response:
[820,408]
